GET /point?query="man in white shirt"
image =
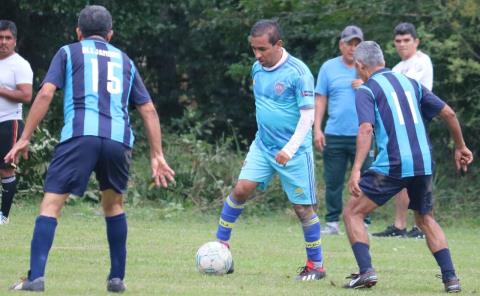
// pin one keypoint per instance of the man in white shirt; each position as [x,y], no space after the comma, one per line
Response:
[417,65]
[16,78]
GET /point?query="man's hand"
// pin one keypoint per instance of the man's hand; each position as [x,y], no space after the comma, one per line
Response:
[162,174]
[21,147]
[319,140]
[356,83]
[282,158]
[463,157]
[353,184]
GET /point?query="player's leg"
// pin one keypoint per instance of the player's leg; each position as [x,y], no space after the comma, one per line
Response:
[376,190]
[298,182]
[10,131]
[68,172]
[256,173]
[401,209]
[9,188]
[44,232]
[335,161]
[42,240]
[420,192]
[117,229]
[112,171]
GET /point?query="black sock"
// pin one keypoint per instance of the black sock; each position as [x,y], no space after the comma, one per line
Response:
[9,188]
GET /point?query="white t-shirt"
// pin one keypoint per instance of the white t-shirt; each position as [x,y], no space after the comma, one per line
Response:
[14,70]
[418,67]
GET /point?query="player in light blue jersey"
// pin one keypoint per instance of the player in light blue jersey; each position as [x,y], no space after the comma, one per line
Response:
[394,108]
[99,83]
[283,88]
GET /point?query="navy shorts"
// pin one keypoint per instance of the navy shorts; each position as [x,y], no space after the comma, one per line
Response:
[380,189]
[10,132]
[75,159]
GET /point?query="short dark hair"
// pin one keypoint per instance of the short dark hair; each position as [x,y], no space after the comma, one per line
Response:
[269,27]
[405,28]
[8,25]
[95,20]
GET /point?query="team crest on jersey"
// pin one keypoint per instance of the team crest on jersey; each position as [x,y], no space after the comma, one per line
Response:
[279,88]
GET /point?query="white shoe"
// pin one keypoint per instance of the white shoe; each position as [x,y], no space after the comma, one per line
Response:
[331,228]
[3,220]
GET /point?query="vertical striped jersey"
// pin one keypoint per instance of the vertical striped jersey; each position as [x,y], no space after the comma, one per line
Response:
[99,83]
[397,106]
[280,93]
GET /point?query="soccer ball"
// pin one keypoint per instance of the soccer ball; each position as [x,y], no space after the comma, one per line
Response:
[213,258]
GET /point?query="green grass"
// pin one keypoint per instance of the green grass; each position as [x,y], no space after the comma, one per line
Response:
[267,251]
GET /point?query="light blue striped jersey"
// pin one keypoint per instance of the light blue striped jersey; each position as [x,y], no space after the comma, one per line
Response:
[279,96]
[397,106]
[99,83]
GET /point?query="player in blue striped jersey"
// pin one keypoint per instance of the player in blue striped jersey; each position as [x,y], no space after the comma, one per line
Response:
[283,88]
[394,107]
[99,83]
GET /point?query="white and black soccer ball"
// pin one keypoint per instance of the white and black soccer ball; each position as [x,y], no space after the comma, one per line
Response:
[213,258]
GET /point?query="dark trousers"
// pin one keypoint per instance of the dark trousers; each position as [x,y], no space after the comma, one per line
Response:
[337,154]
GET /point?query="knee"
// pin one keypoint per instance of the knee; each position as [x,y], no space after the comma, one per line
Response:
[304,213]
[423,221]
[241,192]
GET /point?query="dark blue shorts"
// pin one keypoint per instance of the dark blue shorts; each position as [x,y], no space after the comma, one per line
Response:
[75,159]
[380,189]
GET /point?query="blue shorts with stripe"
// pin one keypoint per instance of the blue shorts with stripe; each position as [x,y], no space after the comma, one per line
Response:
[75,159]
[297,177]
[380,189]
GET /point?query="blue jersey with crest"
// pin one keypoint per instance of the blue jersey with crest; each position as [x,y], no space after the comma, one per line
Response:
[396,106]
[279,96]
[99,83]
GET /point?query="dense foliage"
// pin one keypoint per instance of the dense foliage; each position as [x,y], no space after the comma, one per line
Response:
[195,59]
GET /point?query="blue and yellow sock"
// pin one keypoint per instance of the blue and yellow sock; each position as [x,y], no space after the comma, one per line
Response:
[42,240]
[313,242]
[117,242]
[230,212]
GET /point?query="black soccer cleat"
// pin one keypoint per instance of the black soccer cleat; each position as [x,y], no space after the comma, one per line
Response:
[116,285]
[308,273]
[391,231]
[37,285]
[231,269]
[367,279]
[415,232]
[452,285]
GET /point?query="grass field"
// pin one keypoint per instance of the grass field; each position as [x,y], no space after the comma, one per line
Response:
[267,252]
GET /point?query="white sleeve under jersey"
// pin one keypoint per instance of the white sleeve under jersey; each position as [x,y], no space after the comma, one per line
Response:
[305,123]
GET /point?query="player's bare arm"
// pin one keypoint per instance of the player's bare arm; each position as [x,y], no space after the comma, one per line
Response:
[22,94]
[364,142]
[37,112]
[162,174]
[463,155]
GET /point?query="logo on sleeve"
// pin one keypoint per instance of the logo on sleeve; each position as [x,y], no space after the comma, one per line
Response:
[307,93]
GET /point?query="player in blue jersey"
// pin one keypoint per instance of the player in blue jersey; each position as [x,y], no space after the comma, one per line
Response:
[283,88]
[393,107]
[99,83]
